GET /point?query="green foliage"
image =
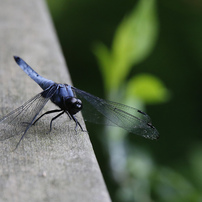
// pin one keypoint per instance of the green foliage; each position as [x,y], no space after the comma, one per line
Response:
[79,23]
[133,41]
[148,88]
[136,186]
[172,186]
[57,6]
[178,152]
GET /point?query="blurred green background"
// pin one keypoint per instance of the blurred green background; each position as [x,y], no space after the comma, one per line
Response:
[146,54]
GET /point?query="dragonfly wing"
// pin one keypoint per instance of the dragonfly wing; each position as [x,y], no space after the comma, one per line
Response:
[19,120]
[128,118]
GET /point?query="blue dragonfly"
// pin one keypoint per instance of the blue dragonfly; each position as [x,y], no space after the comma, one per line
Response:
[70,101]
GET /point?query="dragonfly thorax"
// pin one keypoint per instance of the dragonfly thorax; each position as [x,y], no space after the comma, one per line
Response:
[73,105]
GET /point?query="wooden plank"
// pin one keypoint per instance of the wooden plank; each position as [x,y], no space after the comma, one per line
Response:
[60,166]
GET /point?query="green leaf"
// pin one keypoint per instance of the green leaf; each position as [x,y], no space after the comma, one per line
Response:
[104,59]
[133,41]
[148,89]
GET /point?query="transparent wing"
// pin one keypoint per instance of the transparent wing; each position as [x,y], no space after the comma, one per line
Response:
[19,120]
[101,111]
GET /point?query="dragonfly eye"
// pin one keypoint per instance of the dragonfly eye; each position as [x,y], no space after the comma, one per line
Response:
[73,105]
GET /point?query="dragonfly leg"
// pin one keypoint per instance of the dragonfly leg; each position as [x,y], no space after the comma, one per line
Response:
[68,115]
[54,119]
[77,124]
[48,112]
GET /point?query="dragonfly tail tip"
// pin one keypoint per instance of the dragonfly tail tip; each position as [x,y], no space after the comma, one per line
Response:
[16,58]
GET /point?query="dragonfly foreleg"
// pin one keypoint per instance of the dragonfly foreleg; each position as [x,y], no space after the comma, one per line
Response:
[54,119]
[77,124]
[48,112]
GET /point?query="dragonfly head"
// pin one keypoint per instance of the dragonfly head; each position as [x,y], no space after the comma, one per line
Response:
[73,105]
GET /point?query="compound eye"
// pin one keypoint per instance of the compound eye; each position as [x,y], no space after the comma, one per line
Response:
[73,100]
[78,104]
[73,105]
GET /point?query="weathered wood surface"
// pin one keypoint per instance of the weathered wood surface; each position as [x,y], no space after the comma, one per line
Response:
[60,166]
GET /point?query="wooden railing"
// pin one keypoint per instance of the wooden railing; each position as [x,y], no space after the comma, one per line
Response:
[60,166]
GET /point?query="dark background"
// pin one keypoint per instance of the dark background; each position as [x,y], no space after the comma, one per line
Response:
[176,59]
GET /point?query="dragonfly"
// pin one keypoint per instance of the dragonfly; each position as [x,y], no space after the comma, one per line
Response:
[70,101]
